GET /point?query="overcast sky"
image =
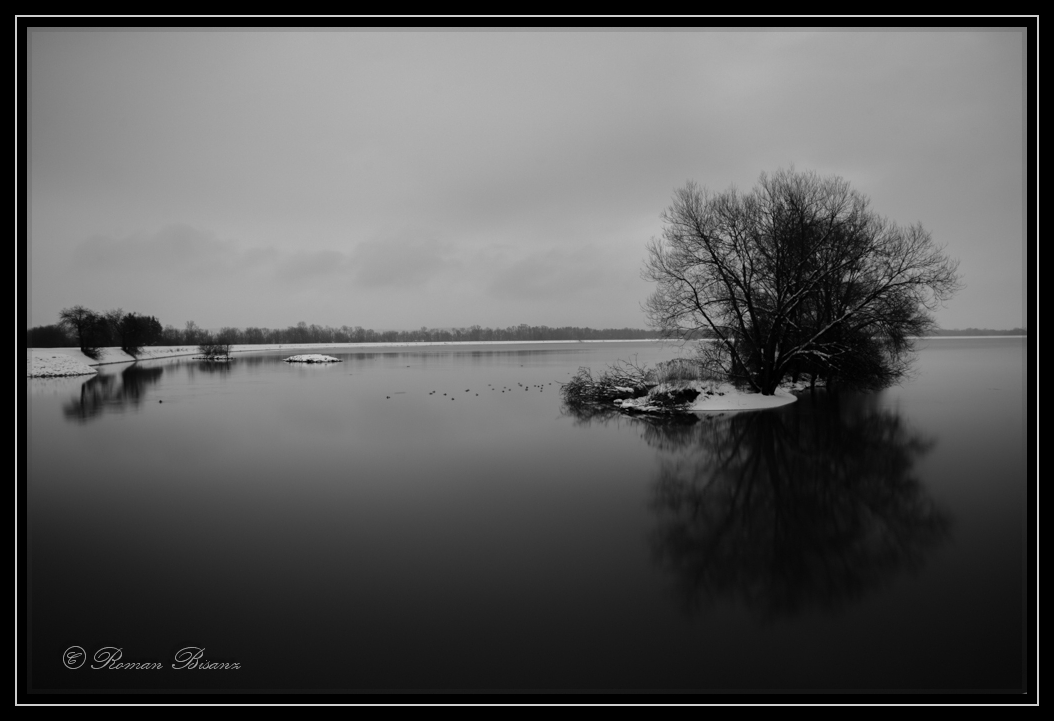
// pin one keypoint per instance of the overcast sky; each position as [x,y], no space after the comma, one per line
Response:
[395,180]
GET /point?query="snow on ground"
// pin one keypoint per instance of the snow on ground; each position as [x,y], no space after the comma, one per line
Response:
[56,364]
[714,396]
[312,358]
[41,362]
[734,399]
[50,362]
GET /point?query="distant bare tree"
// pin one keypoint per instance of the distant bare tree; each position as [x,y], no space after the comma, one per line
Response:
[50,336]
[110,330]
[215,347]
[171,335]
[136,331]
[82,323]
[254,335]
[192,334]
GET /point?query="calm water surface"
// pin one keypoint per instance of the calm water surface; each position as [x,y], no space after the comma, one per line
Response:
[431,518]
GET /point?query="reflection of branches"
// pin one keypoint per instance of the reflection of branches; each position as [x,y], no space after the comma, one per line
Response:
[214,367]
[812,505]
[93,396]
[250,359]
[134,382]
[587,414]
[590,413]
[101,392]
[669,432]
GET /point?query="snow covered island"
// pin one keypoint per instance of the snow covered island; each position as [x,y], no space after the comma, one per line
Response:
[701,396]
[671,388]
[312,358]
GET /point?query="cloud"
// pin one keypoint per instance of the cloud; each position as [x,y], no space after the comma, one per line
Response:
[311,266]
[199,261]
[174,248]
[550,274]
[401,262]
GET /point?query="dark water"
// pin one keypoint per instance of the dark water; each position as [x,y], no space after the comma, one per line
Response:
[341,527]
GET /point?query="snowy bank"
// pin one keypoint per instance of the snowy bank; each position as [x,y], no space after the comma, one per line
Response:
[41,362]
[51,362]
[56,364]
[712,396]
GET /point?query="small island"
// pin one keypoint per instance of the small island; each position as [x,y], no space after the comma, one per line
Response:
[675,387]
[312,358]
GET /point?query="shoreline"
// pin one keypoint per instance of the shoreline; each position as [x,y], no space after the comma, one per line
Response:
[62,362]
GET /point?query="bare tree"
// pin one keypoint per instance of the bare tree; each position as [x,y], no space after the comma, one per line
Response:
[216,346]
[109,328]
[192,333]
[798,275]
[81,322]
[135,331]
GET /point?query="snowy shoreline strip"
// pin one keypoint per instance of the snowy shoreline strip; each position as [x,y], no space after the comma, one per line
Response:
[43,362]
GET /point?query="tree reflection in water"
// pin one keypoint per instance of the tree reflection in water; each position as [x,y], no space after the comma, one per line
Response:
[220,368]
[810,506]
[102,392]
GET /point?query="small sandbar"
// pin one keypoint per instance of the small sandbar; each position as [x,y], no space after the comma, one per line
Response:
[312,358]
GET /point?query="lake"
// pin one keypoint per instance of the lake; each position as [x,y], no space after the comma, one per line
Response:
[431,518]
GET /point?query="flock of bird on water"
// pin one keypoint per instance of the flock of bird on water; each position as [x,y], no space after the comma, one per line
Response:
[330,359]
[493,387]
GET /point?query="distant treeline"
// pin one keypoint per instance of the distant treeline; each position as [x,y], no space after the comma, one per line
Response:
[63,335]
[52,336]
[304,333]
[982,331]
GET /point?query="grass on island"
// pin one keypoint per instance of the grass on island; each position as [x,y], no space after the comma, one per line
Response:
[670,386]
